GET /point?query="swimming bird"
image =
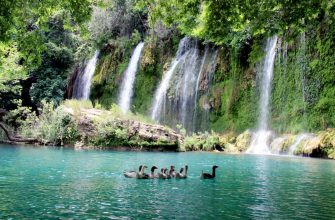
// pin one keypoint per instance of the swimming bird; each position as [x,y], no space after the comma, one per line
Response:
[178,175]
[208,175]
[152,174]
[171,172]
[162,174]
[141,174]
[132,174]
[182,175]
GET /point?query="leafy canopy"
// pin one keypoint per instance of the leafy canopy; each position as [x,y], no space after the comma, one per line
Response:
[23,24]
[221,21]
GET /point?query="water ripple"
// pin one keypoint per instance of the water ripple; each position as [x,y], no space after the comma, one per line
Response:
[64,184]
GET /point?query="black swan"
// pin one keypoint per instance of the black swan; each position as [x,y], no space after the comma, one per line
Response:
[208,175]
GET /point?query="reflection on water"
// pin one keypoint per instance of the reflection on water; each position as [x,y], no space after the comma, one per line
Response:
[62,183]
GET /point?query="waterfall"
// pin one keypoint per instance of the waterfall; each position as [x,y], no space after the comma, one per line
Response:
[277,144]
[299,138]
[260,140]
[175,101]
[164,85]
[82,85]
[126,89]
[199,77]
[208,65]
[189,84]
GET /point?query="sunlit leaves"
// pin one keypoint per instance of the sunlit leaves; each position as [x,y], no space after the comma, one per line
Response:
[23,24]
[10,68]
[220,21]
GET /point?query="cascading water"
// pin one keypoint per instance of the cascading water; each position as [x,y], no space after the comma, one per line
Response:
[164,85]
[260,140]
[277,144]
[201,115]
[299,138]
[199,76]
[126,89]
[176,97]
[188,85]
[82,84]
[197,89]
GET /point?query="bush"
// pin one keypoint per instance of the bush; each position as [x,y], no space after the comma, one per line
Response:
[3,136]
[17,116]
[28,127]
[77,105]
[201,141]
[109,134]
[54,126]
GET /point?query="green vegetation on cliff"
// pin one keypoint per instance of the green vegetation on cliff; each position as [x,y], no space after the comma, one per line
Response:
[302,96]
[41,43]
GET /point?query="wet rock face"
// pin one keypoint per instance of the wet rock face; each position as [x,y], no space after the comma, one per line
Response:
[323,145]
[243,141]
[150,132]
[71,82]
[282,144]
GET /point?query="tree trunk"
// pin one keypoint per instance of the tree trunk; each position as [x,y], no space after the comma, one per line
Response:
[16,139]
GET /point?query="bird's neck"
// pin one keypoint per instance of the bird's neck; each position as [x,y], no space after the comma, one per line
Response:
[213,172]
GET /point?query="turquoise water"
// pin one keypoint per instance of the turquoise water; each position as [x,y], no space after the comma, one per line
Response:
[52,183]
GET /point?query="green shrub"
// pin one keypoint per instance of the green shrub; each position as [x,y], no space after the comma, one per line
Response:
[53,126]
[29,125]
[17,116]
[201,141]
[3,136]
[77,104]
[109,134]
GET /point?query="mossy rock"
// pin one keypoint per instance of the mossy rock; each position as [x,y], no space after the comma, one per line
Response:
[231,148]
[323,145]
[243,141]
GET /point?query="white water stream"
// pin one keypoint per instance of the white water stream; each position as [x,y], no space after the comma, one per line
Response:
[82,85]
[126,89]
[165,83]
[261,139]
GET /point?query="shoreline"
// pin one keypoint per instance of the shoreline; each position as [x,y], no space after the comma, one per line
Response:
[97,129]
[148,150]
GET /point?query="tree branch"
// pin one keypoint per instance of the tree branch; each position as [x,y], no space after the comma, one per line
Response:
[15,139]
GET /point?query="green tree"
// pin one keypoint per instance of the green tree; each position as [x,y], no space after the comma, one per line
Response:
[23,28]
[222,21]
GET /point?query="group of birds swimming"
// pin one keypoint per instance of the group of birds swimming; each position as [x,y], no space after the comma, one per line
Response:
[166,173]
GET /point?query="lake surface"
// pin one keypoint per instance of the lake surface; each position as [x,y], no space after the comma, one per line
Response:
[53,183]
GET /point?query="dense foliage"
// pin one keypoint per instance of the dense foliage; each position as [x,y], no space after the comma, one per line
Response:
[25,30]
[42,41]
[223,21]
